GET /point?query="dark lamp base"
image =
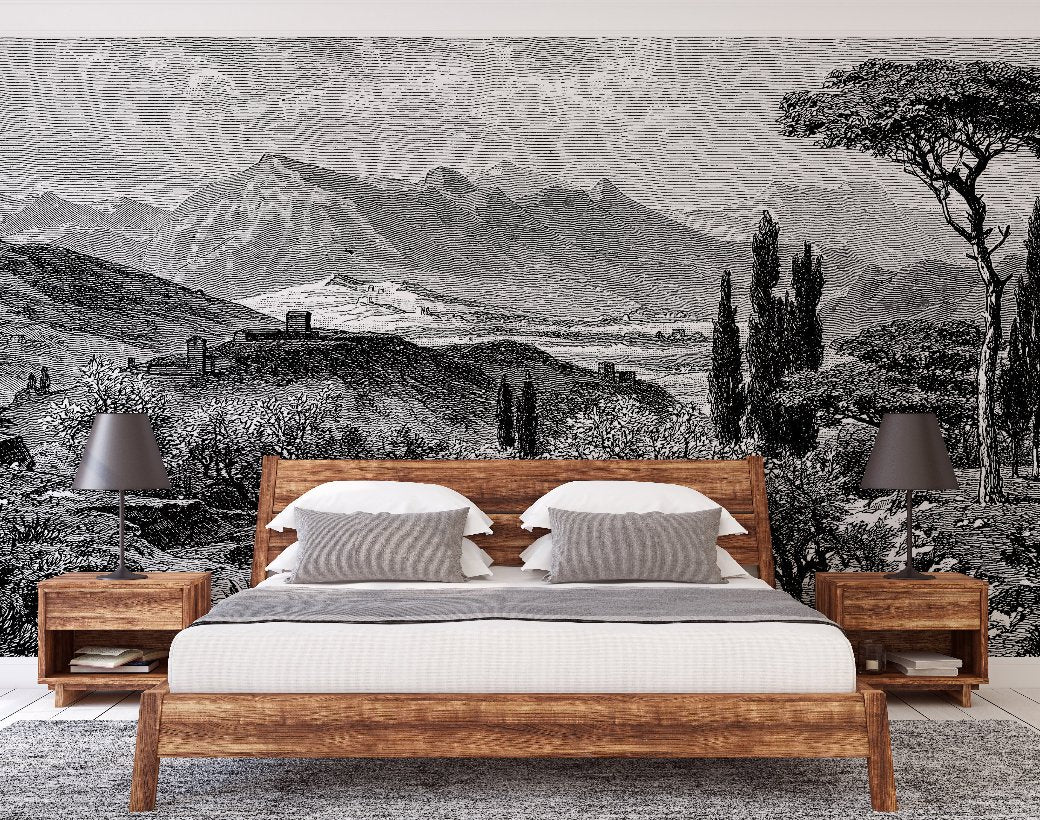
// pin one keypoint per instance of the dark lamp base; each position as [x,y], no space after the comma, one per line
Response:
[122,574]
[908,573]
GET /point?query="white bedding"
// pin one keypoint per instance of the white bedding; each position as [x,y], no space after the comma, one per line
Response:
[511,656]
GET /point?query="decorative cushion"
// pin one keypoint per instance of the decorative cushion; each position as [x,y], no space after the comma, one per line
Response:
[363,546]
[476,562]
[538,556]
[648,546]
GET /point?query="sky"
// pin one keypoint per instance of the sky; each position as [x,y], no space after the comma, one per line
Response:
[677,123]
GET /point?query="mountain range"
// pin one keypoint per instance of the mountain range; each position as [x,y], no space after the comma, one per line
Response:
[511,239]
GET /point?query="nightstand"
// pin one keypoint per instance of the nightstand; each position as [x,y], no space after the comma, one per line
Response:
[77,610]
[949,614]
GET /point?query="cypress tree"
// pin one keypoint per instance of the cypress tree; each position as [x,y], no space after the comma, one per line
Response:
[504,416]
[726,378]
[527,420]
[805,337]
[1016,410]
[766,353]
[1027,299]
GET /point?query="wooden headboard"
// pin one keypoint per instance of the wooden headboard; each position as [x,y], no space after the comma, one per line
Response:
[505,488]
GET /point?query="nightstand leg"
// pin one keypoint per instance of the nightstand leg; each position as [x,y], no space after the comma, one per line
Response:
[961,696]
[63,696]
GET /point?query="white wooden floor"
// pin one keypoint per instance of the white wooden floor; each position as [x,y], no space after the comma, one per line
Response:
[988,703]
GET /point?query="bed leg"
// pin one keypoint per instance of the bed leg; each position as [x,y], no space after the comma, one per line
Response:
[146,754]
[879,763]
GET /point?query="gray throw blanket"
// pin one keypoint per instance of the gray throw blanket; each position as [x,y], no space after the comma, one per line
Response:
[585,604]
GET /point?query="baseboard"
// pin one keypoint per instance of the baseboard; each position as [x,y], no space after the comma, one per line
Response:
[17,673]
[1005,672]
[1014,672]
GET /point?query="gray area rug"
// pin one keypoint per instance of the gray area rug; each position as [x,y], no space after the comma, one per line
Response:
[81,769]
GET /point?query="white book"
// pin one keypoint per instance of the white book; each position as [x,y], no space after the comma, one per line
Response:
[103,650]
[129,668]
[924,671]
[108,661]
[915,659]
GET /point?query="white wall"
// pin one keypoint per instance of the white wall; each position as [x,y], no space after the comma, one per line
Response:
[474,18]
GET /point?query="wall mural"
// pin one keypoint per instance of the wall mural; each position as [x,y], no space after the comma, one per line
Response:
[521,248]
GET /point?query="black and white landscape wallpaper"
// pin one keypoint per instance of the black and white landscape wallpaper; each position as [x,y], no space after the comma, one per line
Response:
[521,248]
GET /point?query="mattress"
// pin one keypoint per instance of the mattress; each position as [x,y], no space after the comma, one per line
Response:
[511,656]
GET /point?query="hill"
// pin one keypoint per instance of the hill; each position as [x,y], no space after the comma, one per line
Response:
[58,307]
[385,382]
[928,290]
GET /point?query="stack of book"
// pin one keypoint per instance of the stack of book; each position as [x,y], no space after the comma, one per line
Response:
[109,659]
[924,664]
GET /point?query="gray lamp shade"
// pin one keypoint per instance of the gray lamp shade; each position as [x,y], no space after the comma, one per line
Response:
[121,454]
[909,454]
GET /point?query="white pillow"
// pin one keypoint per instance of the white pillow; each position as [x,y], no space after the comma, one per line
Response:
[382,496]
[539,555]
[622,497]
[475,562]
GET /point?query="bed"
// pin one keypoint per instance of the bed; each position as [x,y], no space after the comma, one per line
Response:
[523,688]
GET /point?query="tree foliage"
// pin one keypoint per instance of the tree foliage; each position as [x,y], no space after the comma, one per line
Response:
[504,421]
[1013,390]
[621,427]
[765,349]
[803,343]
[903,366]
[804,328]
[1027,304]
[944,122]
[808,505]
[527,420]
[107,388]
[726,377]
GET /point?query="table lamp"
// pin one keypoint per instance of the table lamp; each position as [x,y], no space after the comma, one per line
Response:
[909,454]
[121,454]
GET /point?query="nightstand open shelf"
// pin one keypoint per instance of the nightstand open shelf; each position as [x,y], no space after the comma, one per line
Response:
[949,615]
[898,679]
[121,681]
[78,609]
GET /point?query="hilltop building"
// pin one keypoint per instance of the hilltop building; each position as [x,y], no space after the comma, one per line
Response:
[198,361]
[297,326]
[392,294]
[609,371]
[297,322]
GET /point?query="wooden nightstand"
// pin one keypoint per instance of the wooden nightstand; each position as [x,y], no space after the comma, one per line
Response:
[949,614]
[77,610]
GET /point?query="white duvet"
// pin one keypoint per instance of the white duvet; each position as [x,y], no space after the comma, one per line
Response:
[510,656]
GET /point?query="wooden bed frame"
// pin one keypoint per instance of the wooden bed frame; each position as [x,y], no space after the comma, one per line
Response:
[742,725]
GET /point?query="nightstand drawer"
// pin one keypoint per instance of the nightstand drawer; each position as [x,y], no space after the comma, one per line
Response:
[917,608]
[124,608]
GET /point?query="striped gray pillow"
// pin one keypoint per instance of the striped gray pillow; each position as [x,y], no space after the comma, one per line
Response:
[651,546]
[363,546]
